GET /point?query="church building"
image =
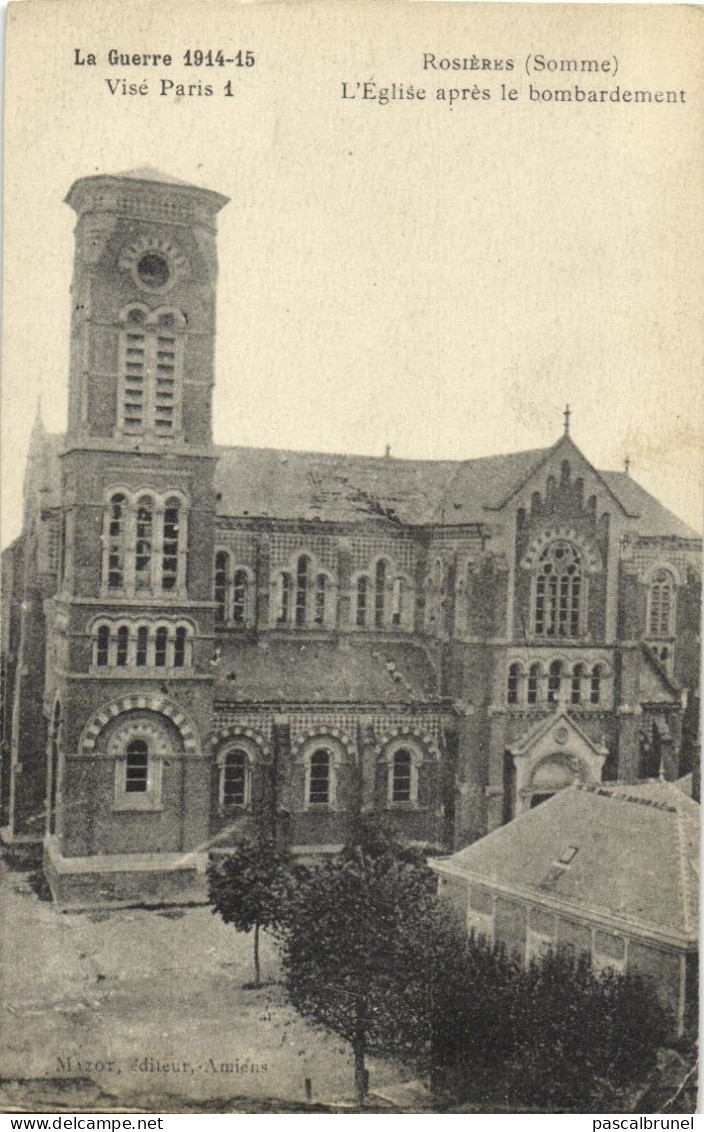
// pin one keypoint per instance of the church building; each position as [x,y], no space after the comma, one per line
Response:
[198,640]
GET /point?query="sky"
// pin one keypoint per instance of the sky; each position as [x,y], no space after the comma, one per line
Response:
[442,281]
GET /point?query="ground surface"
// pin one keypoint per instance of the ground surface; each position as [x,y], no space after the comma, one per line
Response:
[149,1006]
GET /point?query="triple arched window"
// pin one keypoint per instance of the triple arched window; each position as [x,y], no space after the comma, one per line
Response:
[141,644]
[145,544]
[151,371]
[560,592]
[233,591]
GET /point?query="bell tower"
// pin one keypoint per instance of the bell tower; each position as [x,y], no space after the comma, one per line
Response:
[143,311]
[132,622]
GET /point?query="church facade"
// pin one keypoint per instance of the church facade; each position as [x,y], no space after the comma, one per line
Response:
[198,640]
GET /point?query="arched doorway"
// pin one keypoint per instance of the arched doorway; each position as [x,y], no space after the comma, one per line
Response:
[552,774]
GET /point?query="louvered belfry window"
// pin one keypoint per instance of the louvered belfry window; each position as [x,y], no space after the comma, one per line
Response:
[151,373]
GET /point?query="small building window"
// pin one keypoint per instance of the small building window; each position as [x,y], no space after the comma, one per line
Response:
[401,776]
[514,676]
[161,640]
[608,952]
[235,776]
[595,688]
[142,646]
[222,574]
[103,649]
[362,601]
[320,777]
[123,641]
[480,912]
[239,602]
[137,767]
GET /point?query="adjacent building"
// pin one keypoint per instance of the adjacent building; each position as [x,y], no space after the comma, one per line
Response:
[611,871]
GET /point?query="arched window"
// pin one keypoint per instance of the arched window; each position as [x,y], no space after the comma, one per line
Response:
[239,600]
[155,533]
[165,391]
[397,601]
[123,641]
[533,684]
[595,684]
[380,594]
[222,577]
[235,779]
[134,372]
[321,587]
[116,543]
[137,767]
[514,676]
[362,600]
[170,550]
[302,576]
[142,646]
[180,647]
[576,684]
[401,776]
[558,592]
[139,748]
[554,681]
[150,371]
[143,545]
[661,604]
[320,777]
[160,645]
[103,649]
[283,599]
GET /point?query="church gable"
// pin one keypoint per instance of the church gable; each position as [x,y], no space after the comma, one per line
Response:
[564,483]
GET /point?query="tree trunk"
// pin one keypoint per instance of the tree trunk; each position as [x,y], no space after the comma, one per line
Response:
[257,973]
[360,1075]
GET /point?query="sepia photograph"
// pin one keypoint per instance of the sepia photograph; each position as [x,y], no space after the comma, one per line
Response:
[351,570]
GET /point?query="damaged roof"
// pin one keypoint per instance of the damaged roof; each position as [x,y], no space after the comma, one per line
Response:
[317,485]
[279,484]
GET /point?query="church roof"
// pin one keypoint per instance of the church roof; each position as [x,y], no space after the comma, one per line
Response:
[307,485]
[318,671]
[623,851]
[654,519]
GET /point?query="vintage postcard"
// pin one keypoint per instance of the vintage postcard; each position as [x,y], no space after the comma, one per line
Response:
[351,572]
